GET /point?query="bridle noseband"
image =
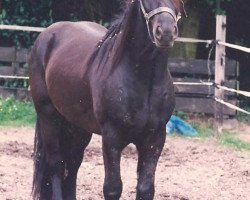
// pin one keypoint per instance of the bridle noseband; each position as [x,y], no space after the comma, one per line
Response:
[156,11]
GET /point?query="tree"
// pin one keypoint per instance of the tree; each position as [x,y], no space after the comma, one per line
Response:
[216,5]
[42,13]
[28,13]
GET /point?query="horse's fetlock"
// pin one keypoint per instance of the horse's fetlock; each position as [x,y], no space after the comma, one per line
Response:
[112,193]
[56,167]
[145,191]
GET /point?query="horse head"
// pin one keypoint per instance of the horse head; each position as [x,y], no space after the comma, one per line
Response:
[161,18]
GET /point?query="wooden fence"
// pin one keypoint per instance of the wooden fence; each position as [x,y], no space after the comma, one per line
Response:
[196,99]
[13,62]
[199,99]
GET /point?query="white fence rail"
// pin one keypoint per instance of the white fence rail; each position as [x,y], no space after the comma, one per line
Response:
[181,39]
[185,40]
[21,28]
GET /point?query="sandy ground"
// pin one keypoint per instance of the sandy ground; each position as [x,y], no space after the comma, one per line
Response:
[188,169]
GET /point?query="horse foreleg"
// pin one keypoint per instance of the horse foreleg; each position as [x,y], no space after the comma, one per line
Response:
[149,150]
[112,148]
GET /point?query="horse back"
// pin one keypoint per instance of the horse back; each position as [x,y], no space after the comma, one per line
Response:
[75,38]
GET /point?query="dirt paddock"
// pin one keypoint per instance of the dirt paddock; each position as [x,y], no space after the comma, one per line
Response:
[188,169]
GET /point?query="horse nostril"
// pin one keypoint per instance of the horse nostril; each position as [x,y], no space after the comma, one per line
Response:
[158,32]
[175,31]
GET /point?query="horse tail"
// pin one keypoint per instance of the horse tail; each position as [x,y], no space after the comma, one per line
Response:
[41,180]
[42,187]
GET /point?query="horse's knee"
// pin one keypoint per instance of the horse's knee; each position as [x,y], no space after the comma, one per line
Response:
[57,168]
[112,191]
[145,191]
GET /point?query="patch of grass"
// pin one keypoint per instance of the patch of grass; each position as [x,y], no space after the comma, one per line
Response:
[182,115]
[205,131]
[16,113]
[203,127]
[229,139]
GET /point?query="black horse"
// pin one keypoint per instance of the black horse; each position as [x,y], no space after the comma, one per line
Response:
[86,79]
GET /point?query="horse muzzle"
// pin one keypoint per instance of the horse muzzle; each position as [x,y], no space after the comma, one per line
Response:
[163,21]
[164,36]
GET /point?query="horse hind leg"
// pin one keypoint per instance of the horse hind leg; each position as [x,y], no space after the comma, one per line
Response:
[73,145]
[49,165]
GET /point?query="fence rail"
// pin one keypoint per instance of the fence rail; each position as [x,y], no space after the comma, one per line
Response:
[21,28]
[5,71]
[181,39]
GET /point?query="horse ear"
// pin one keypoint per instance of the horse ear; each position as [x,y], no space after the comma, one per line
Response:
[180,5]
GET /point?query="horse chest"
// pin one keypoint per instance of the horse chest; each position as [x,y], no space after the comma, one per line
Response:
[138,107]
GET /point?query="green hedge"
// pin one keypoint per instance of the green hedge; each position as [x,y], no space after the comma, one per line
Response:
[18,113]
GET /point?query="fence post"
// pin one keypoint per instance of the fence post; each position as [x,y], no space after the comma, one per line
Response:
[220,59]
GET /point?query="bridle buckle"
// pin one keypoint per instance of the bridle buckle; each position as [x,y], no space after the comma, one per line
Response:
[146,16]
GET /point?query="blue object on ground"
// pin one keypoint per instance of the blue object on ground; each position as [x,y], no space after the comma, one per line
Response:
[177,124]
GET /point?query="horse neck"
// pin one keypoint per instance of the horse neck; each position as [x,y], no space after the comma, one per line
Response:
[140,46]
[130,37]
[147,63]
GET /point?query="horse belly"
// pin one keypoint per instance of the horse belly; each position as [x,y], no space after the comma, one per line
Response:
[76,108]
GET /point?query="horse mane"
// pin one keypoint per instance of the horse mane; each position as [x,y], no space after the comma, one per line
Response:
[110,48]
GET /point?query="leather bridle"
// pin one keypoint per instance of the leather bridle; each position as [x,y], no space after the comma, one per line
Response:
[156,11]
